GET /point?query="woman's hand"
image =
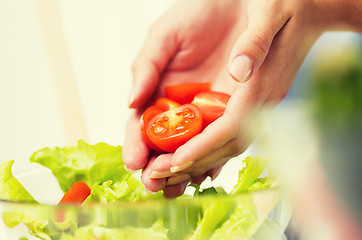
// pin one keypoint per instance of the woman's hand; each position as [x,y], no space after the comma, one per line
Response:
[250,49]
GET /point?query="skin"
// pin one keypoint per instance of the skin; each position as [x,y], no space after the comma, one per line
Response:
[201,40]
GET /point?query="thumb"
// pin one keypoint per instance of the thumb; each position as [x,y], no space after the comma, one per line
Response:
[253,46]
[156,52]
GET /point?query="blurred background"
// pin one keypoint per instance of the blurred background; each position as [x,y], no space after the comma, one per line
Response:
[102,38]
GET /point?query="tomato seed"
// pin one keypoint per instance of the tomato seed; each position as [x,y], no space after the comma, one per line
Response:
[180,127]
[159,129]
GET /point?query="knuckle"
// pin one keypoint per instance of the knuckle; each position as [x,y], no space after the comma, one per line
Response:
[261,41]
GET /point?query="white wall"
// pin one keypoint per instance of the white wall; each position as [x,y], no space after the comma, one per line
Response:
[102,38]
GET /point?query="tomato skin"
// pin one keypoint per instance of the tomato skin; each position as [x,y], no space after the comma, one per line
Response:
[211,104]
[171,129]
[146,117]
[185,93]
[166,104]
[76,194]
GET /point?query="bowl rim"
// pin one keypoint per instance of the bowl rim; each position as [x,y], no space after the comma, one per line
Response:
[184,199]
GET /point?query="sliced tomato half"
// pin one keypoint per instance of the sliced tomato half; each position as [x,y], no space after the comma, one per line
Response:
[185,93]
[146,117]
[169,130]
[211,104]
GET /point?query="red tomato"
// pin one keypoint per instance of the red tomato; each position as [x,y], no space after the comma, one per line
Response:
[76,194]
[146,117]
[166,104]
[212,105]
[169,130]
[185,93]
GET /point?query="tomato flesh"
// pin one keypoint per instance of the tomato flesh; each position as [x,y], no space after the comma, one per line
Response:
[211,104]
[171,129]
[185,93]
[146,117]
[161,105]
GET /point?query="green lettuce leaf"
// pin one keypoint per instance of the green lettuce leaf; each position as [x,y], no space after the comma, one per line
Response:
[215,212]
[10,188]
[241,224]
[261,183]
[32,214]
[221,220]
[155,232]
[129,189]
[248,176]
[207,191]
[35,217]
[93,164]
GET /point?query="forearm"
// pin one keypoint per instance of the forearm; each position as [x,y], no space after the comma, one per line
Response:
[339,14]
[355,14]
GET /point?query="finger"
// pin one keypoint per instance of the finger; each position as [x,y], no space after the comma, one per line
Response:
[213,173]
[158,49]
[179,178]
[161,166]
[153,185]
[174,191]
[161,169]
[205,169]
[252,47]
[199,179]
[216,158]
[135,153]
[201,145]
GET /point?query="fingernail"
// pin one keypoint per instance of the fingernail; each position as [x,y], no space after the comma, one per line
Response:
[181,167]
[178,179]
[131,97]
[129,170]
[241,68]
[148,191]
[214,175]
[160,174]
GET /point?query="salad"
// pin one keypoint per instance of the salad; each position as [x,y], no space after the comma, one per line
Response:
[93,177]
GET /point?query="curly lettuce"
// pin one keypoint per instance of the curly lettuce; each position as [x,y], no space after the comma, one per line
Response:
[156,232]
[222,220]
[93,164]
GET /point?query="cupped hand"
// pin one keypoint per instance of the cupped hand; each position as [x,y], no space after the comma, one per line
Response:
[249,49]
